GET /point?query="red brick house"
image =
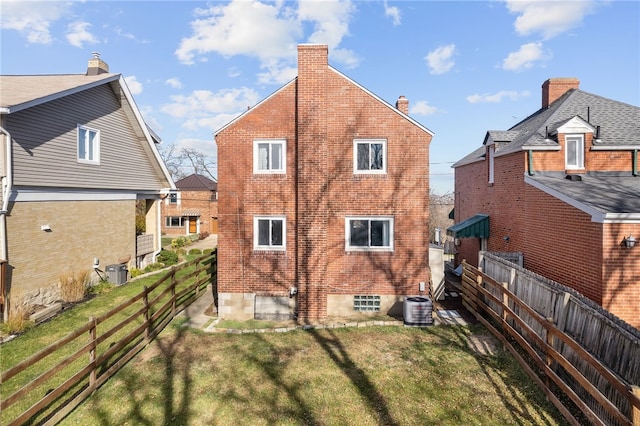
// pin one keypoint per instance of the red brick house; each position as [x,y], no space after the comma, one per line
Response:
[193,208]
[324,200]
[563,188]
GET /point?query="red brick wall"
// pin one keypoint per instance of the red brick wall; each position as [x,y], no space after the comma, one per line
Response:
[593,160]
[241,195]
[319,190]
[551,234]
[200,200]
[621,273]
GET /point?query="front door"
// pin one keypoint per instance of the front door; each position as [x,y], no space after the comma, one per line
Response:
[193,224]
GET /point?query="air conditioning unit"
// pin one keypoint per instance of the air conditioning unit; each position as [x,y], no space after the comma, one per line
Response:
[417,311]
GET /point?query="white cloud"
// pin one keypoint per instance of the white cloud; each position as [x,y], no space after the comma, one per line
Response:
[78,34]
[525,57]
[174,83]
[135,87]
[206,109]
[392,12]
[269,32]
[549,18]
[422,108]
[441,60]
[497,97]
[31,21]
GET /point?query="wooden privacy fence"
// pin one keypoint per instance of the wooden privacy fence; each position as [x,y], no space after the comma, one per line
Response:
[555,359]
[45,387]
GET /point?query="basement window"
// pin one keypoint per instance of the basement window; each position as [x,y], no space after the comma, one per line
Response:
[366,303]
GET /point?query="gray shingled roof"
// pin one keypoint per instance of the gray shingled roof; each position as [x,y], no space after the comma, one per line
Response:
[23,91]
[196,182]
[600,192]
[619,125]
[619,122]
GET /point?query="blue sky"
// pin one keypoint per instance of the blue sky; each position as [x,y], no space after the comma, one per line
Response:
[465,66]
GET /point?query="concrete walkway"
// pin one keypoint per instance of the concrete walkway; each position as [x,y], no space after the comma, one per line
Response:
[208,243]
[196,313]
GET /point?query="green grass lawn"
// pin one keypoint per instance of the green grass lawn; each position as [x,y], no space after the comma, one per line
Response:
[390,375]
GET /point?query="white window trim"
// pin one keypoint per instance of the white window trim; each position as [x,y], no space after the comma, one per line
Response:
[259,247]
[168,199]
[347,233]
[580,139]
[280,171]
[96,148]
[166,225]
[355,157]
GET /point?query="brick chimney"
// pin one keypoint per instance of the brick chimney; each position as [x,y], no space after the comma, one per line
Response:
[403,105]
[96,65]
[312,180]
[553,88]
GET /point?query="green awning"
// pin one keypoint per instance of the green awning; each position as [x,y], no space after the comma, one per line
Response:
[476,226]
[452,214]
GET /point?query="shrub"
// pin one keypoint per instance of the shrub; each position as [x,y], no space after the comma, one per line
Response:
[167,257]
[17,321]
[179,242]
[195,251]
[135,272]
[141,224]
[153,267]
[73,287]
[102,287]
[181,252]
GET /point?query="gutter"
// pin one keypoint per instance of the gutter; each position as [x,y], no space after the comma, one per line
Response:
[7,183]
[634,163]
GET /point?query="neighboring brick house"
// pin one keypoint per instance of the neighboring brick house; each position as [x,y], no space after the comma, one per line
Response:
[193,208]
[563,188]
[76,161]
[324,200]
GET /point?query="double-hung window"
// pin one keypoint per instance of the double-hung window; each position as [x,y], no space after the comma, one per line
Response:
[88,145]
[370,156]
[173,198]
[574,147]
[269,232]
[269,156]
[174,221]
[369,233]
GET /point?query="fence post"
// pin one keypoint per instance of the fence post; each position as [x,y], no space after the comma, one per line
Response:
[145,302]
[549,340]
[92,351]
[505,305]
[173,293]
[635,413]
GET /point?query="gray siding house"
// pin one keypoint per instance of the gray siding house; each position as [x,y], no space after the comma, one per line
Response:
[76,160]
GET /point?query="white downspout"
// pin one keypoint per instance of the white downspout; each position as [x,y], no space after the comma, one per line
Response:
[7,182]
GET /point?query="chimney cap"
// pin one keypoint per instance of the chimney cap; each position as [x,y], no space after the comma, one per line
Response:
[96,65]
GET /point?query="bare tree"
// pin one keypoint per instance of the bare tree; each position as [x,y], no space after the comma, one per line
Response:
[440,206]
[181,162]
[199,162]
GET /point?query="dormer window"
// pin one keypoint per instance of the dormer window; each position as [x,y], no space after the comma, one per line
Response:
[574,152]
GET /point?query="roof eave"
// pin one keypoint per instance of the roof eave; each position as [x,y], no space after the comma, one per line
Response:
[615,148]
[540,148]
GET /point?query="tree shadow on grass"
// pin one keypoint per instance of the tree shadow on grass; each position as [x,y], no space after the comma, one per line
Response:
[171,356]
[331,344]
[511,389]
